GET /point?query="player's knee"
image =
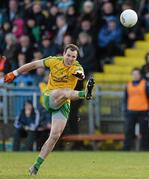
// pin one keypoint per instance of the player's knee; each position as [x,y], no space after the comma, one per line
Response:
[68,94]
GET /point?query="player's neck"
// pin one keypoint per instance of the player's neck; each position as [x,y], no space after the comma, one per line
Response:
[66,64]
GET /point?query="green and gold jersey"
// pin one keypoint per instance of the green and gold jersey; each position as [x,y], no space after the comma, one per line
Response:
[60,75]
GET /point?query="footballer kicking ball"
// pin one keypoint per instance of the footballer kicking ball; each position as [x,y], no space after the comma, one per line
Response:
[128,18]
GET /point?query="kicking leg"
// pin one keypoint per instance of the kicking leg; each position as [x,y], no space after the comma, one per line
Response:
[58,125]
[59,96]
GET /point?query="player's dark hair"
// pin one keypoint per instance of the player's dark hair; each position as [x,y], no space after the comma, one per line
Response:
[72,47]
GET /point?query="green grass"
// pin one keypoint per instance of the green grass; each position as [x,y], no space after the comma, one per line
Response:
[77,165]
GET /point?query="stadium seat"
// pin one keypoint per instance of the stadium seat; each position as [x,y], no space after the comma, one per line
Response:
[111,78]
[131,61]
[116,69]
[135,52]
[142,45]
[147,36]
[120,71]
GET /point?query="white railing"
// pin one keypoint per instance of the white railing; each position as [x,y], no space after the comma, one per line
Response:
[12,100]
[106,107]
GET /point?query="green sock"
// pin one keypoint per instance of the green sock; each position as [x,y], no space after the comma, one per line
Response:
[81,94]
[39,161]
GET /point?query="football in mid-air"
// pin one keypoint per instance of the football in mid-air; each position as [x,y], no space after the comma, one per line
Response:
[128,18]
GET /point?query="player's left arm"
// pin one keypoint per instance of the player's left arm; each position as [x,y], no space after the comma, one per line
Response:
[79,73]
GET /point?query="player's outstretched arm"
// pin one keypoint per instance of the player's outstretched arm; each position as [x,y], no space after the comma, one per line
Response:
[25,68]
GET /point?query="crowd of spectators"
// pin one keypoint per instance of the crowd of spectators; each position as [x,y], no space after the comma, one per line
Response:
[34,29]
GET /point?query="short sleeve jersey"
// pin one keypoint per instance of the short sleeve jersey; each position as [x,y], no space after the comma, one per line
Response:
[60,75]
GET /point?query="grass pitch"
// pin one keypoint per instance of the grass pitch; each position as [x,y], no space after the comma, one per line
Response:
[77,165]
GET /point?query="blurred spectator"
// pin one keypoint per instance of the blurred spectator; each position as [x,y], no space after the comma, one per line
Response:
[21,59]
[66,40]
[89,11]
[127,5]
[37,54]
[1,19]
[85,26]
[26,8]
[71,17]
[25,127]
[144,14]
[5,29]
[63,5]
[107,9]
[135,4]
[87,53]
[26,47]
[33,30]
[88,8]
[145,68]
[38,15]
[109,39]
[48,47]
[11,50]
[46,4]
[39,76]
[12,11]
[53,12]
[62,29]
[18,27]
[25,79]
[4,65]
[137,111]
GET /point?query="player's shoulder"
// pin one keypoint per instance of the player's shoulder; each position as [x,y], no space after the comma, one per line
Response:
[52,59]
[77,63]
[59,58]
[77,66]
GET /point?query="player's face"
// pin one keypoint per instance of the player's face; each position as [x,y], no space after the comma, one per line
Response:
[70,57]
